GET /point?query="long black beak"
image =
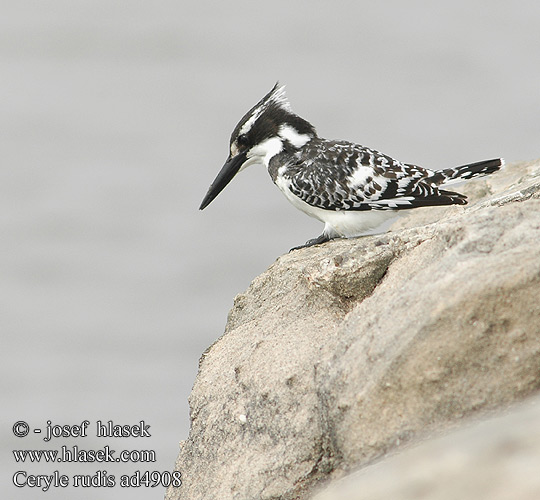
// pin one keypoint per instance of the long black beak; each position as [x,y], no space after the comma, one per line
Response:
[227,172]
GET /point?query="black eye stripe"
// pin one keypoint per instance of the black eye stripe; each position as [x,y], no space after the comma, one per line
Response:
[241,140]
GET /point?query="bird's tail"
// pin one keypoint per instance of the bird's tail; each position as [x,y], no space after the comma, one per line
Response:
[463,173]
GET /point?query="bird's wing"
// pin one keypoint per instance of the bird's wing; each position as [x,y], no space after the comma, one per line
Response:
[345,176]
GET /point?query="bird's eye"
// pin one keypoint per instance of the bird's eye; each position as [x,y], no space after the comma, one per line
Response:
[241,140]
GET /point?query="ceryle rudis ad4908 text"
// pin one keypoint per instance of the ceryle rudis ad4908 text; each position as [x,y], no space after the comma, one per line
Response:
[351,188]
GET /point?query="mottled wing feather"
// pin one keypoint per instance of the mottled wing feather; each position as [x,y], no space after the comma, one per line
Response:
[336,175]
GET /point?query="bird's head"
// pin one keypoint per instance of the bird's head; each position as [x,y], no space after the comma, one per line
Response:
[265,131]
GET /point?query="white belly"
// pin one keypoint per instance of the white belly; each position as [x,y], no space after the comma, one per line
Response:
[343,223]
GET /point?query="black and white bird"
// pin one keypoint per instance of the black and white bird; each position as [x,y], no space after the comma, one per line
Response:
[351,188]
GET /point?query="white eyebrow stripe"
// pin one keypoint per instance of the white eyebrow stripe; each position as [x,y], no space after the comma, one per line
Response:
[252,119]
[277,97]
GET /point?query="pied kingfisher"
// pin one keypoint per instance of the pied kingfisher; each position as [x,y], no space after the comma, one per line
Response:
[351,188]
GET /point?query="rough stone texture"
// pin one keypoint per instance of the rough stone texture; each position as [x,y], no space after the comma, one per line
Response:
[497,460]
[340,353]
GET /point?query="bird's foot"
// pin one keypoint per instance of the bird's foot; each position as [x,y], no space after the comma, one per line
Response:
[323,238]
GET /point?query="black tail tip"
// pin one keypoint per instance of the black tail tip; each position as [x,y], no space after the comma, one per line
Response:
[495,164]
[480,168]
[489,166]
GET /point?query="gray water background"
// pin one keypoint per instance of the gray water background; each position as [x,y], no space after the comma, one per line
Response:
[115,117]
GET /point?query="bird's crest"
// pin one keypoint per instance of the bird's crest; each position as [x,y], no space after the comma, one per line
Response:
[276,97]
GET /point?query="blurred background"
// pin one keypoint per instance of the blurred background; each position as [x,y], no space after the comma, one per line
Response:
[115,118]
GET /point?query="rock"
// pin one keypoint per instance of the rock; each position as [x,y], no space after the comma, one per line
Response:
[497,459]
[341,353]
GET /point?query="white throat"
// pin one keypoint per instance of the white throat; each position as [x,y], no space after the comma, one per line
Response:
[262,153]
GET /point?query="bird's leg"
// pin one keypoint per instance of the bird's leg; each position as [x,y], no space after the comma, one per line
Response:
[323,238]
